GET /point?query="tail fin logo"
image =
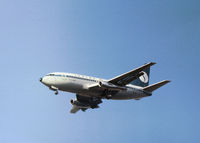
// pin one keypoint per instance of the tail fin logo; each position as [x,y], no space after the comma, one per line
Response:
[144,78]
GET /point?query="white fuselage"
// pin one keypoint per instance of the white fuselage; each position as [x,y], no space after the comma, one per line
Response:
[79,84]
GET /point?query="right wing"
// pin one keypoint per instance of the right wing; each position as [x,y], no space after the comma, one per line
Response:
[128,77]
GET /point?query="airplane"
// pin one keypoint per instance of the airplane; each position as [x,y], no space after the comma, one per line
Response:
[91,90]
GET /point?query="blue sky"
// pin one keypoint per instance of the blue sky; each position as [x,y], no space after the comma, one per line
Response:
[103,39]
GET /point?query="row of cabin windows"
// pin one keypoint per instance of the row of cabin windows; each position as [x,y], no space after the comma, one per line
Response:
[72,77]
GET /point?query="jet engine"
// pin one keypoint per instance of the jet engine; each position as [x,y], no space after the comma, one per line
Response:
[79,104]
[83,104]
[107,85]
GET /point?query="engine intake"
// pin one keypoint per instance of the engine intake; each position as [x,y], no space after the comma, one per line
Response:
[72,101]
[79,104]
[107,85]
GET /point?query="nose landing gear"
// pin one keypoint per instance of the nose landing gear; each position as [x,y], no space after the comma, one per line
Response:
[54,89]
[56,92]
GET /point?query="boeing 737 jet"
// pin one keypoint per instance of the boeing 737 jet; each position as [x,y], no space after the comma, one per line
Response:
[91,90]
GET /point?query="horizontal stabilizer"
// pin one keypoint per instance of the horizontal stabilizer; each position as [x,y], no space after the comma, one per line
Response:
[155,86]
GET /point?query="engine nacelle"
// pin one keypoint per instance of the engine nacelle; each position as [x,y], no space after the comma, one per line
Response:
[79,104]
[110,86]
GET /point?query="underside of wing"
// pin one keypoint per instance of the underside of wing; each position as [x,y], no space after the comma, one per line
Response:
[128,77]
[84,103]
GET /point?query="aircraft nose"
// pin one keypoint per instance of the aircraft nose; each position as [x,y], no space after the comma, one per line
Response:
[40,79]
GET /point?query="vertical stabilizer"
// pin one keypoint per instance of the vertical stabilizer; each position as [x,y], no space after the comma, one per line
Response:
[143,80]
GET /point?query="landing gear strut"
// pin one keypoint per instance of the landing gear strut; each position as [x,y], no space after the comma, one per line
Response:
[54,89]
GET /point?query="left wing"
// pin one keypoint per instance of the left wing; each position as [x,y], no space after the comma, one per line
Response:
[84,103]
[126,78]
[118,83]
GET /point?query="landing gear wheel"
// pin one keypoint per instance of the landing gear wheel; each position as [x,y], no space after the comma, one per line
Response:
[56,92]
